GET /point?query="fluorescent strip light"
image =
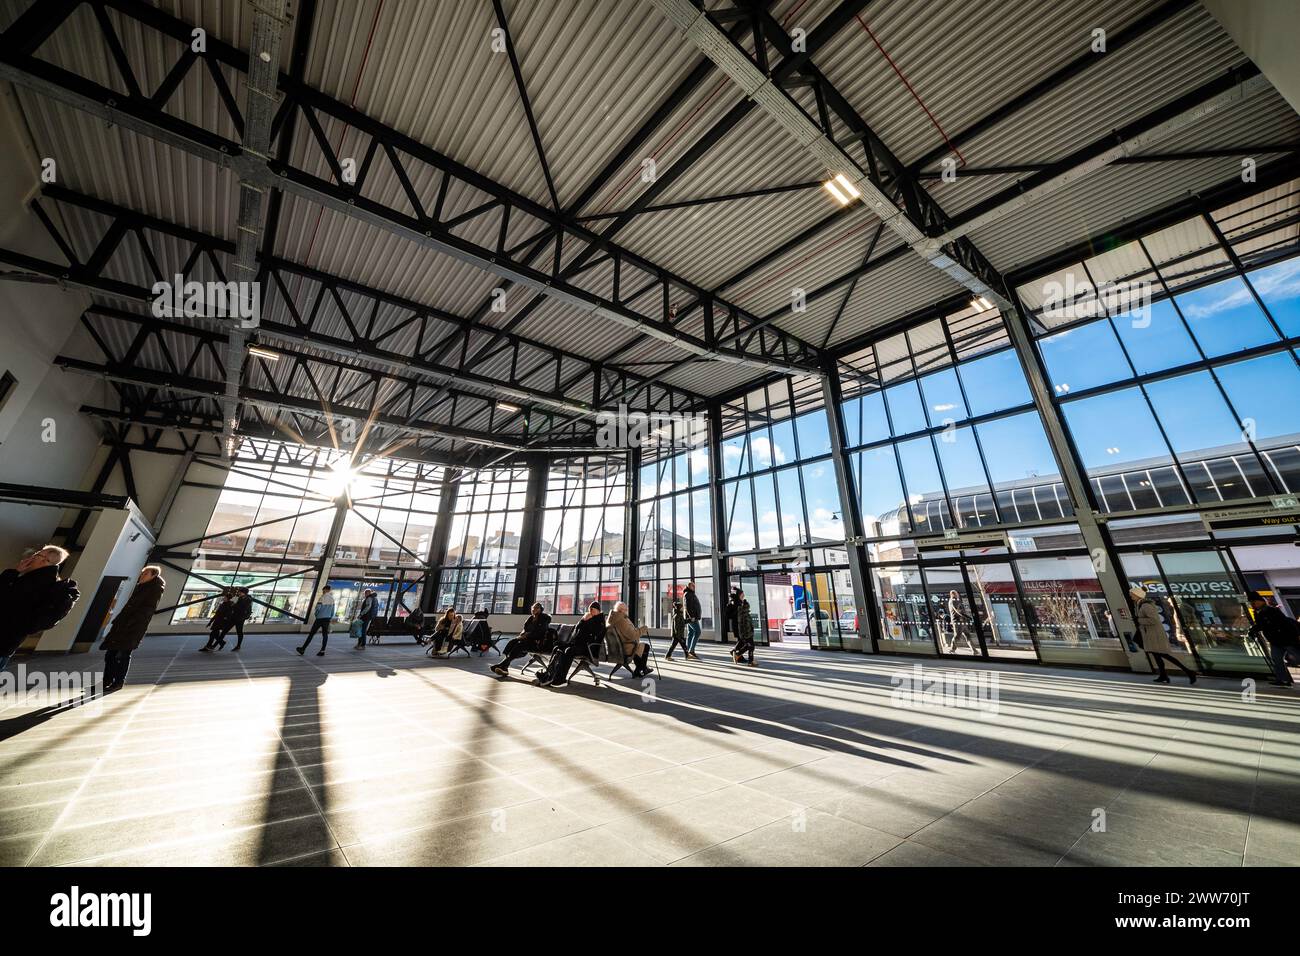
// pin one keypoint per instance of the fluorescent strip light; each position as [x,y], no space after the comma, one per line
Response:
[981,303]
[507,407]
[834,191]
[847,186]
[263,353]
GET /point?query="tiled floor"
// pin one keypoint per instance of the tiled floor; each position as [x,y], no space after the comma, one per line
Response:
[383,756]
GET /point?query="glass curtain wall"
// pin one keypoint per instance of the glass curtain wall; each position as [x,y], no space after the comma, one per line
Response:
[1173,362]
[779,494]
[268,532]
[580,558]
[483,547]
[272,522]
[674,533]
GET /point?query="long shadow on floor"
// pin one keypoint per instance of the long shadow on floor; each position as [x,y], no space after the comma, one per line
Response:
[302,720]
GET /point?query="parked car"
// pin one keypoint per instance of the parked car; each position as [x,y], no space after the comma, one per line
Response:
[848,622]
[798,625]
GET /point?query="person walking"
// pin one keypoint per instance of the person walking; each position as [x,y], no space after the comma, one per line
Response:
[531,638]
[632,637]
[959,621]
[240,613]
[744,633]
[1281,633]
[366,613]
[223,618]
[731,617]
[677,630]
[130,626]
[321,617]
[694,615]
[1154,635]
[33,598]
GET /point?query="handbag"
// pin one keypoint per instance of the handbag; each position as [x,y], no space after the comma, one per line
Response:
[358,629]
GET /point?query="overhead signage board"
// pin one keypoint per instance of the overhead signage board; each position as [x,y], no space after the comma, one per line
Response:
[959,541]
[1284,510]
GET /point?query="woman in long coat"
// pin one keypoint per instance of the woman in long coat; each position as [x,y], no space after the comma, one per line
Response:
[129,627]
[1155,639]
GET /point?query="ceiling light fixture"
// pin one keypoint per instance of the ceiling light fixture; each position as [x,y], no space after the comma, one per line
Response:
[834,190]
[507,407]
[263,353]
[981,303]
[849,189]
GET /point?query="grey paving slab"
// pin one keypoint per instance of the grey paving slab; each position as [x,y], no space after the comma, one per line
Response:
[384,757]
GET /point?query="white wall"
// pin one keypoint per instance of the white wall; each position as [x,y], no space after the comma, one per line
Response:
[37,322]
[118,544]
[1266,31]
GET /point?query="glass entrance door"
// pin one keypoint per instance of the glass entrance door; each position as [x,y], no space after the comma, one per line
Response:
[751,585]
[1006,625]
[1206,605]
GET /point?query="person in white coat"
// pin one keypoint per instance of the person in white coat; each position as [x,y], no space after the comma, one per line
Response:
[1155,636]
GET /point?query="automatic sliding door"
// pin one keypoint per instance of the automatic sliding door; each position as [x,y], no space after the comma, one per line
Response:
[1004,622]
[906,625]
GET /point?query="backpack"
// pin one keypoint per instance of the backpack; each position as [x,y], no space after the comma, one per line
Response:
[59,601]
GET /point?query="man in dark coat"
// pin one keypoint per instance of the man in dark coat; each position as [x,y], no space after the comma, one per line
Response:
[241,612]
[33,598]
[1280,632]
[532,638]
[130,625]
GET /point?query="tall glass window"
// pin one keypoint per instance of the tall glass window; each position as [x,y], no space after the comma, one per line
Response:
[1172,368]
[483,546]
[942,432]
[581,551]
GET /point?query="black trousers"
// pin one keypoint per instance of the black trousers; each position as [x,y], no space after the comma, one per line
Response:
[238,627]
[673,646]
[744,645]
[321,624]
[517,649]
[116,664]
[1159,658]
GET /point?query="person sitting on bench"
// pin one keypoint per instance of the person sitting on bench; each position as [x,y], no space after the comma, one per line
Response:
[446,630]
[415,621]
[531,638]
[631,636]
[590,630]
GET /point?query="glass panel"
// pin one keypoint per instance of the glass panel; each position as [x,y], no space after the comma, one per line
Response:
[1084,357]
[943,400]
[995,383]
[1225,318]
[905,618]
[954,619]
[1156,338]
[1001,617]
[1201,429]
[880,492]
[964,474]
[905,408]
[1114,430]
[1279,287]
[823,499]
[924,486]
